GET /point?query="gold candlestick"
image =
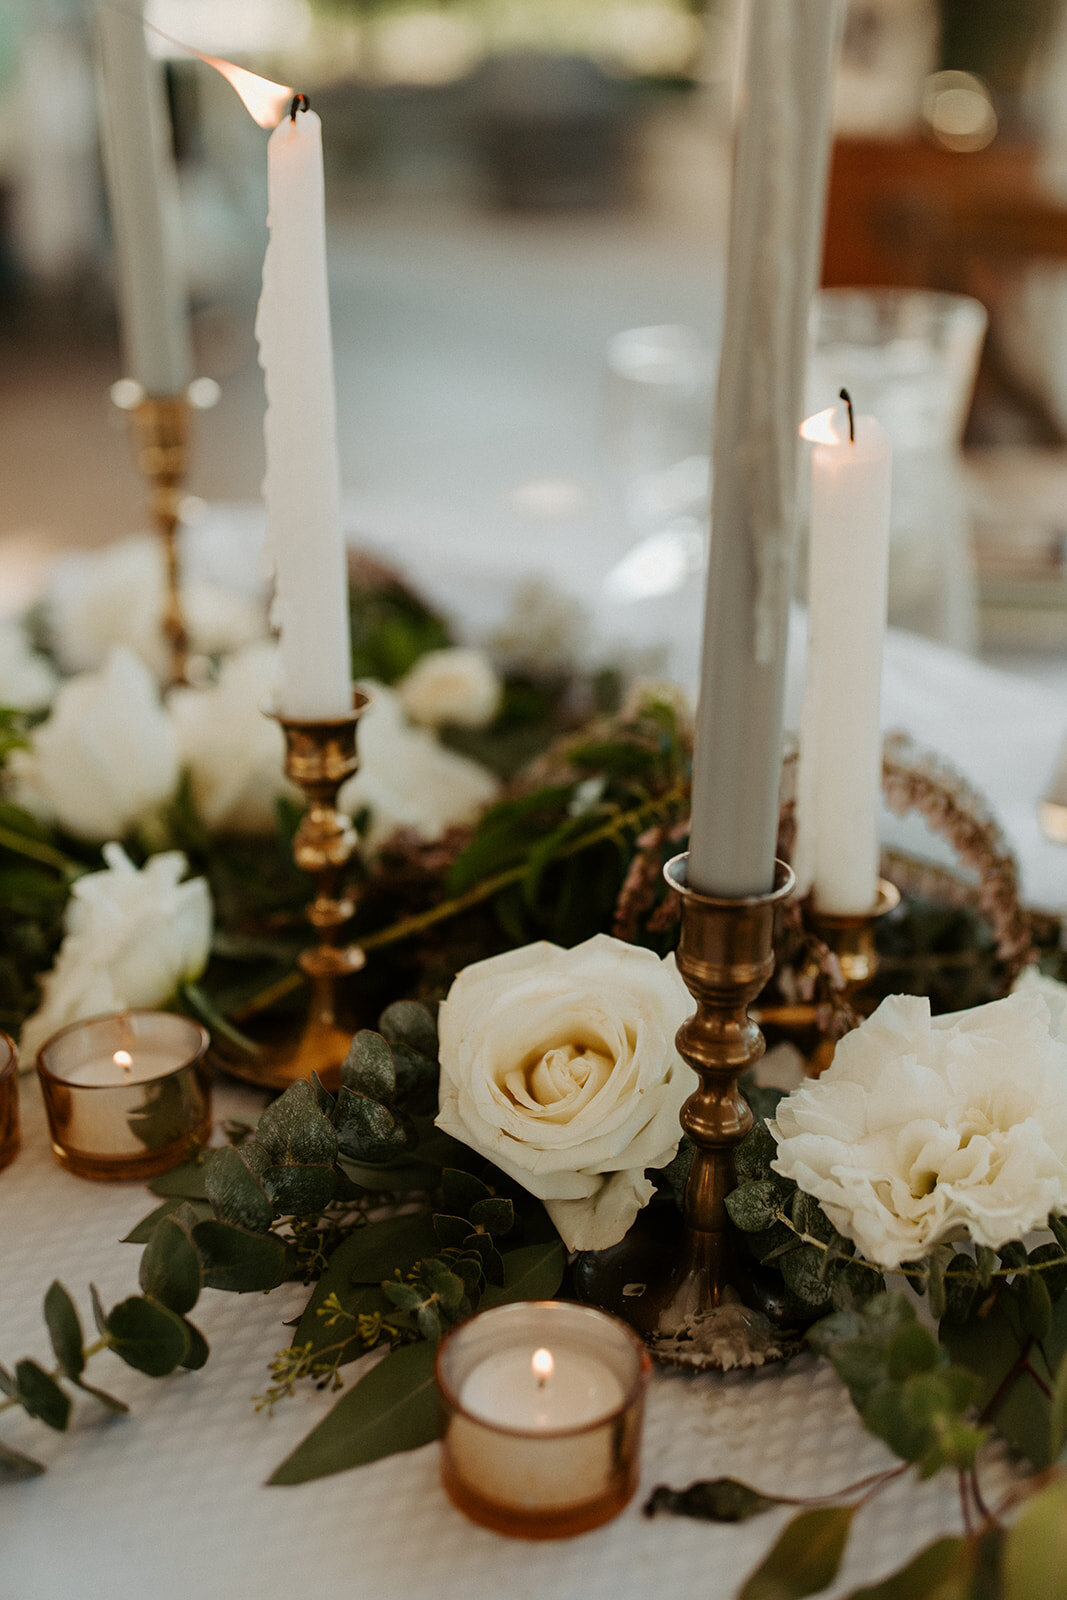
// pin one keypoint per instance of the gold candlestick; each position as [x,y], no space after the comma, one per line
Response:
[850,937]
[161,424]
[686,1296]
[319,757]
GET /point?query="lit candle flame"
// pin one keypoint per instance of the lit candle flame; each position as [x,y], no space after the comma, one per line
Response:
[824,427]
[123,1059]
[543,1366]
[264,101]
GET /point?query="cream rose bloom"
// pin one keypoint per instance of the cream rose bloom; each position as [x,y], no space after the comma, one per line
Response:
[233,753]
[98,599]
[927,1129]
[132,938]
[107,756]
[560,1066]
[455,686]
[407,779]
[27,679]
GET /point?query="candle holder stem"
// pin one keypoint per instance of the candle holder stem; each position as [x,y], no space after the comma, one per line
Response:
[161,424]
[319,757]
[687,1296]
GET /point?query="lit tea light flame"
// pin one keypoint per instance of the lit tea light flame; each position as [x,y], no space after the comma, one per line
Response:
[123,1060]
[543,1366]
[824,427]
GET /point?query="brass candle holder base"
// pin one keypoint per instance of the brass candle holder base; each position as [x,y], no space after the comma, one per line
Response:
[319,757]
[850,937]
[690,1297]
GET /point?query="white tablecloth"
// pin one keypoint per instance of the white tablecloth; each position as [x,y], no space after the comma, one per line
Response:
[168,1503]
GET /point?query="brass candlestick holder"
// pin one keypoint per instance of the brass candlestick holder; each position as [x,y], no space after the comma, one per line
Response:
[850,938]
[319,757]
[687,1295]
[161,430]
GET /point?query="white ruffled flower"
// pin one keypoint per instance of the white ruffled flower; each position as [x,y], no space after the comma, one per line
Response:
[1032,980]
[456,686]
[116,596]
[133,937]
[27,679]
[929,1129]
[107,756]
[234,754]
[407,779]
[561,1067]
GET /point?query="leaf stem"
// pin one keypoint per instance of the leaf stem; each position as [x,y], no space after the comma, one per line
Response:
[57,1372]
[35,850]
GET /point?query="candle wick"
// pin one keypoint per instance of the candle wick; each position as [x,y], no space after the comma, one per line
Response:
[847,398]
[300,103]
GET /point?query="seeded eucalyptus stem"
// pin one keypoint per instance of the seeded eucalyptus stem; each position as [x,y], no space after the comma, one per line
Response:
[636,818]
[872,1266]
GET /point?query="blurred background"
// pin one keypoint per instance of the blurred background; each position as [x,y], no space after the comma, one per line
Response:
[527,207]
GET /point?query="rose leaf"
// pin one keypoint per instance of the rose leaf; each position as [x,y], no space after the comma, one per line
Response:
[805,1558]
[711,1500]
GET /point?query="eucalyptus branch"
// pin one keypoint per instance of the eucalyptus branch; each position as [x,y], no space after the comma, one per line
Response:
[860,1261]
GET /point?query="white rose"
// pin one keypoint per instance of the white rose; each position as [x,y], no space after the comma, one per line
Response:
[928,1129]
[27,679]
[451,686]
[115,596]
[234,754]
[132,939]
[107,756]
[561,1067]
[407,779]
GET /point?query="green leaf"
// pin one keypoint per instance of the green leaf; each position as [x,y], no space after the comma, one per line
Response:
[148,1336]
[711,1500]
[753,1206]
[533,1273]
[1035,1304]
[199,1349]
[404,1295]
[961,1288]
[805,1558]
[1053,1277]
[451,1230]
[990,1345]
[392,1408]
[367,1130]
[496,1216]
[1035,1548]
[187,1182]
[374,1252]
[41,1396]
[119,1407]
[802,1271]
[147,1225]
[294,1132]
[1058,1412]
[940,1572]
[300,1191]
[64,1330]
[913,1349]
[753,1157]
[406,1022]
[99,1314]
[461,1190]
[369,1068]
[15,1467]
[171,1270]
[235,1190]
[239,1261]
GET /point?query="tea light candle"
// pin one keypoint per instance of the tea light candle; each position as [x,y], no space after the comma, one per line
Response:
[127,1096]
[543,1404]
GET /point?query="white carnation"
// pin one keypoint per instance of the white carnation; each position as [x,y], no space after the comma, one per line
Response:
[561,1067]
[106,758]
[454,686]
[929,1129]
[407,779]
[133,937]
[98,599]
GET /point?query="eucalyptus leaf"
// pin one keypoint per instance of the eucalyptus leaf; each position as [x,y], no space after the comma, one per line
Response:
[805,1558]
[451,1230]
[293,1130]
[108,1401]
[40,1395]
[1058,1412]
[64,1330]
[367,1130]
[300,1191]
[533,1273]
[990,1346]
[99,1314]
[171,1270]
[199,1349]
[496,1216]
[712,1500]
[148,1336]
[237,1260]
[186,1182]
[147,1225]
[753,1206]
[406,1022]
[369,1068]
[236,1192]
[392,1408]
[1035,1304]
[941,1571]
[373,1253]
[802,1270]
[753,1156]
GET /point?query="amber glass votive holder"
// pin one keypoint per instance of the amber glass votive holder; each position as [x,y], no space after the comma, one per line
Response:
[543,1405]
[9,1101]
[127,1095]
